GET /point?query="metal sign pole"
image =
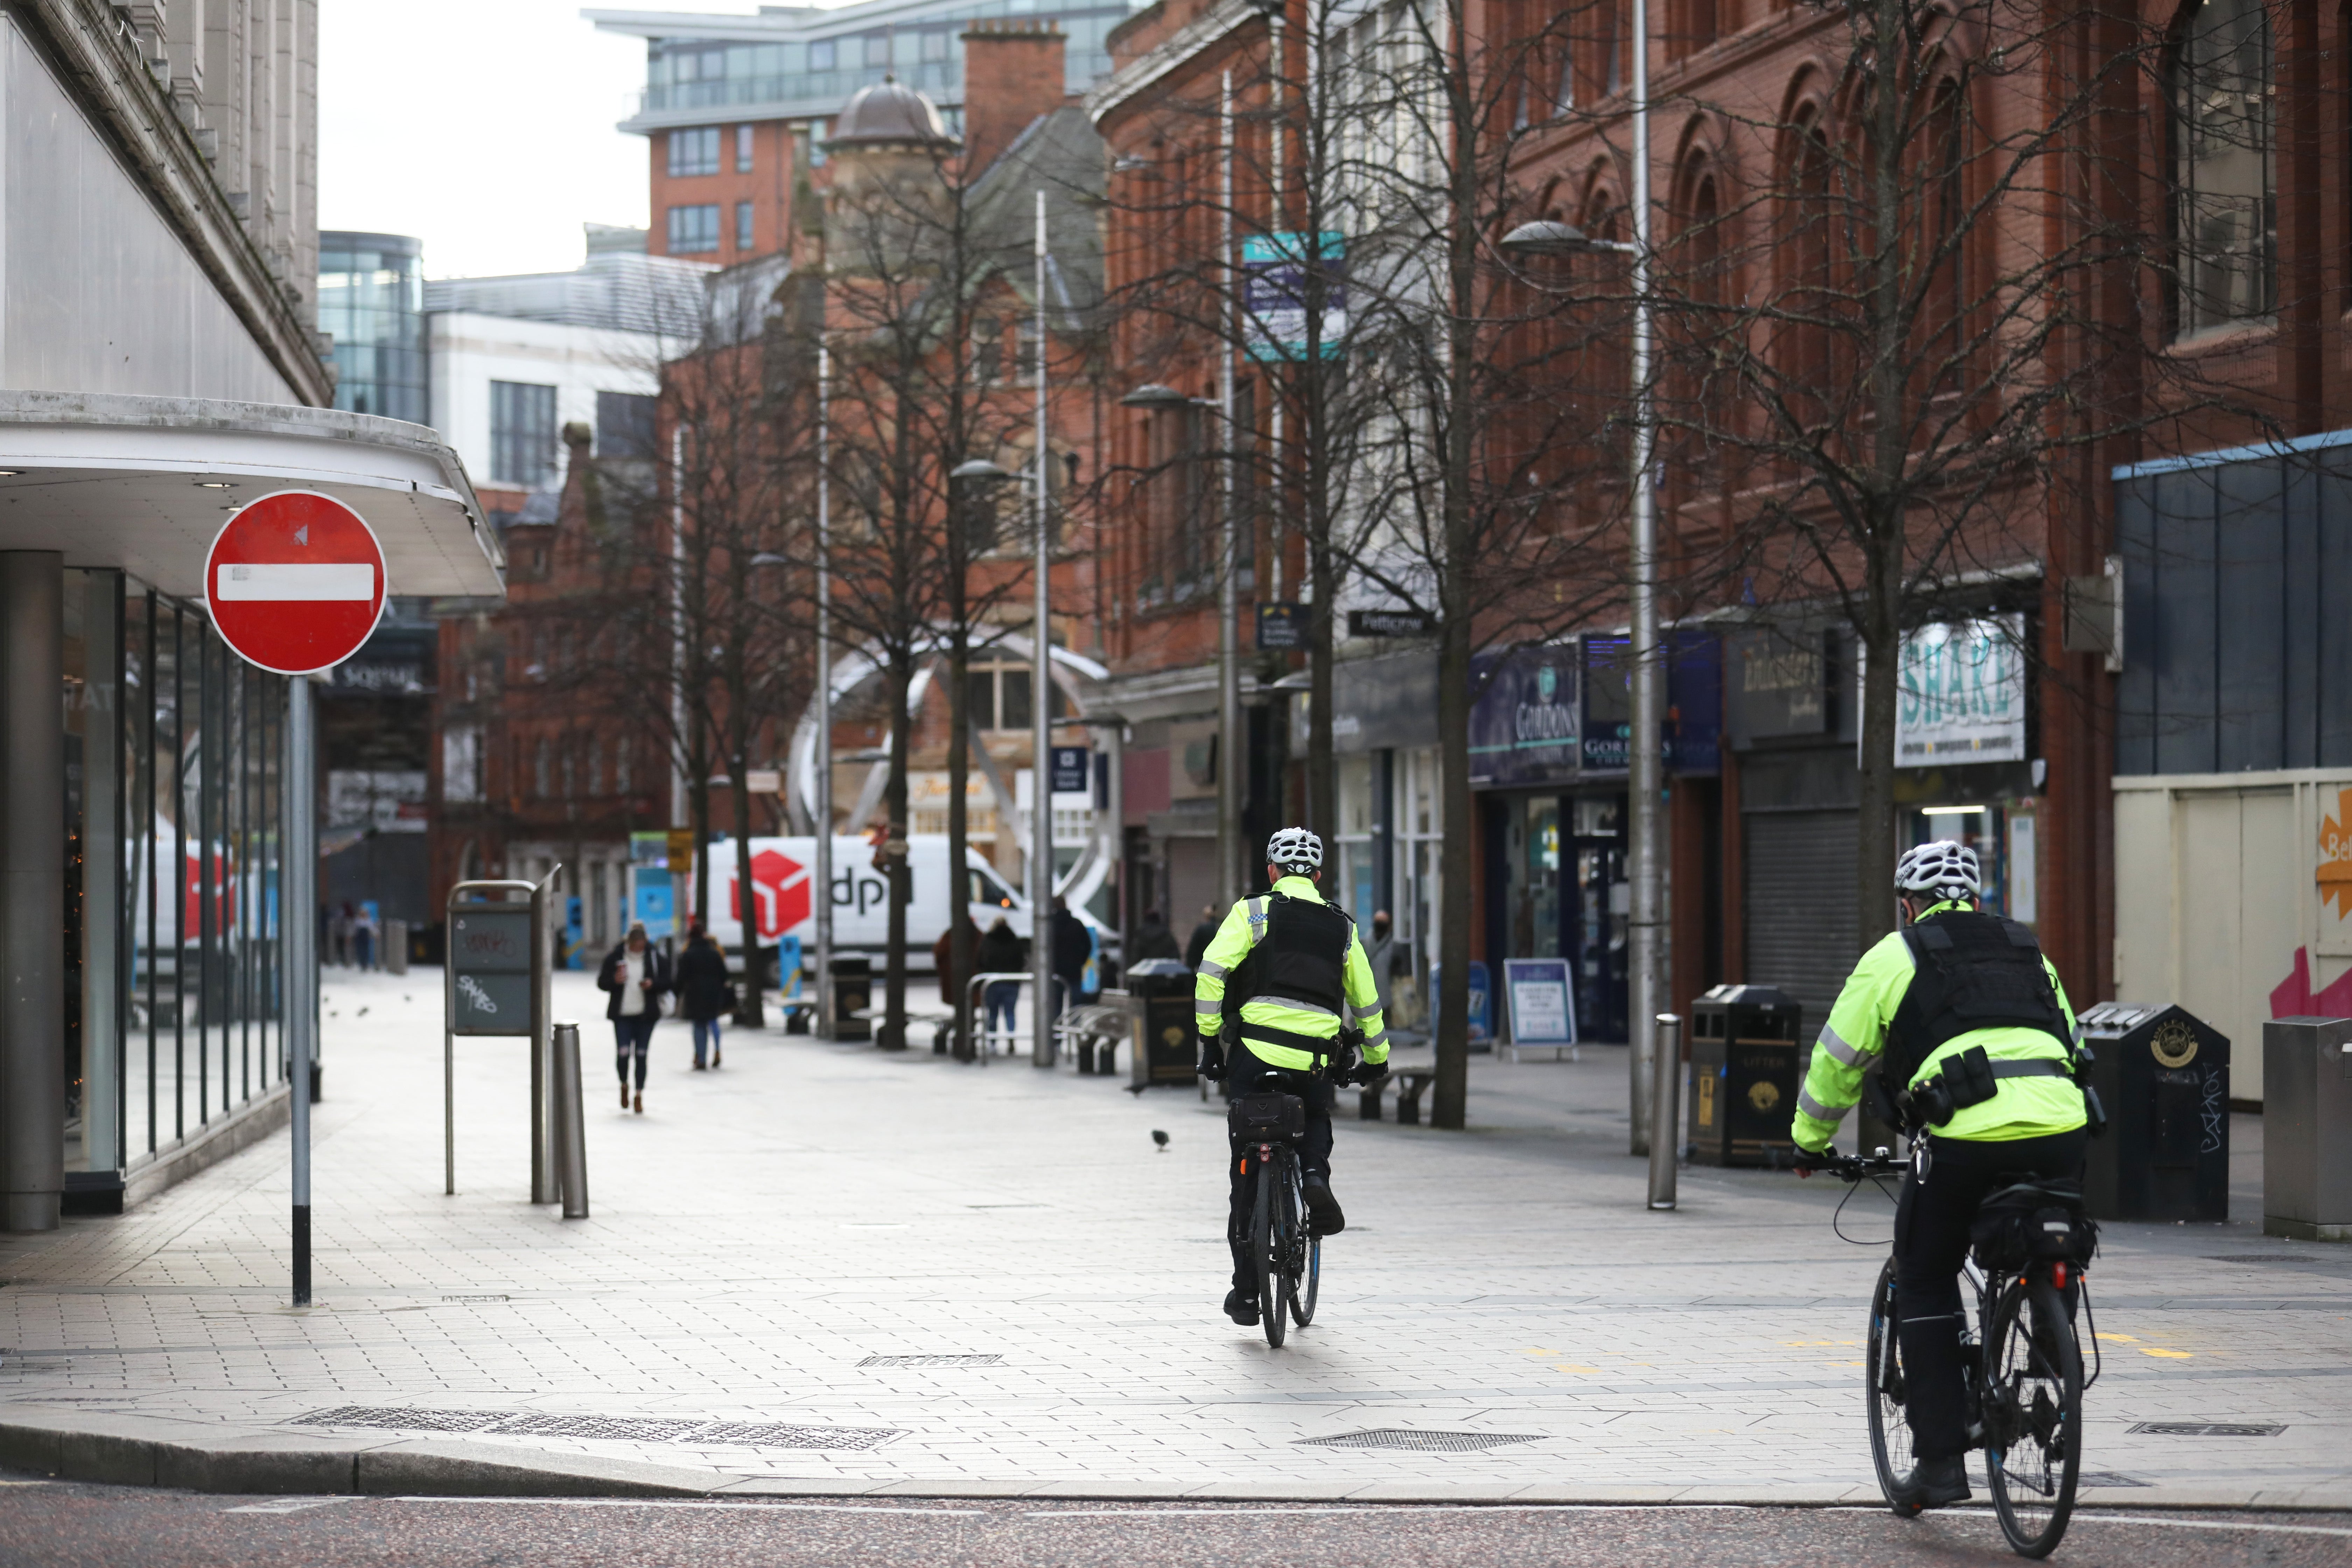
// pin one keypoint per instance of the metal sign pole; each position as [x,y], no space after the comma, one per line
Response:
[298,928]
[544,1185]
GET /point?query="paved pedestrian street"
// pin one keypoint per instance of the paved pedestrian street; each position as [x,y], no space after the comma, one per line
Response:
[827,1270]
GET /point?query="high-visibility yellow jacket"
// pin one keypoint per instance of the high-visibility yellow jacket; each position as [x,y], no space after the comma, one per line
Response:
[1857,1035]
[1244,925]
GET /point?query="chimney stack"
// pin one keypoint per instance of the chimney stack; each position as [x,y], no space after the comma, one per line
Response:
[1013,72]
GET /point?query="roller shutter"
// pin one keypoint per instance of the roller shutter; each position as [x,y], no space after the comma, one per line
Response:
[1799,909]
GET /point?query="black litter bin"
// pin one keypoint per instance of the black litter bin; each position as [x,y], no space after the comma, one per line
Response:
[1166,1050]
[1746,1059]
[853,992]
[2163,1075]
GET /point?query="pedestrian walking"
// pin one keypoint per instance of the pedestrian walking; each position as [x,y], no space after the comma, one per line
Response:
[363,938]
[1154,940]
[703,994]
[1202,935]
[634,975]
[1073,946]
[1001,953]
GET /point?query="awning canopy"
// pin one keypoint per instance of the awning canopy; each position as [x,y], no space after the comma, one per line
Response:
[143,484]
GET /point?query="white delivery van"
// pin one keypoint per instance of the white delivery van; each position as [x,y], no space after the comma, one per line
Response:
[783,885]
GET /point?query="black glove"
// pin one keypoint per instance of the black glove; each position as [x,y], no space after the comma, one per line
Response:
[1808,1160]
[1213,1061]
[1370,1073]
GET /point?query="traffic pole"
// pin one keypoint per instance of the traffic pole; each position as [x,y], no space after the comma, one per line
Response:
[297,931]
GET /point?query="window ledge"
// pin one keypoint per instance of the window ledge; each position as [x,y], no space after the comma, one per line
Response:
[2236,338]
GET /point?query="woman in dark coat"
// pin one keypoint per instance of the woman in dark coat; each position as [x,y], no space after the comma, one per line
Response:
[703,992]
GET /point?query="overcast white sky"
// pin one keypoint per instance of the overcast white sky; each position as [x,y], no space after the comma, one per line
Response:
[483,127]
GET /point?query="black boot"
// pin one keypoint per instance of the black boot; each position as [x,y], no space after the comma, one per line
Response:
[1323,1216]
[1934,1483]
[1240,1308]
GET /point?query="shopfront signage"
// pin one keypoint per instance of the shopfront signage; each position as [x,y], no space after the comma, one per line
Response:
[1524,724]
[1960,694]
[1693,721]
[1776,685]
[294,581]
[1278,286]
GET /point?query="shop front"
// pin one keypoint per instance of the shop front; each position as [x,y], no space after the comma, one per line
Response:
[1550,734]
[1963,771]
[144,1035]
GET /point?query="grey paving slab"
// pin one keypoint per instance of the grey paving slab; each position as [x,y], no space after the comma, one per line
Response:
[763,1229]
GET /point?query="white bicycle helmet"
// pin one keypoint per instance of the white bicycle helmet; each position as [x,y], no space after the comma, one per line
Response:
[1295,850]
[1944,869]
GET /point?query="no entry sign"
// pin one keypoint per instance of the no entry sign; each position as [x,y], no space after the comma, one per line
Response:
[295,581]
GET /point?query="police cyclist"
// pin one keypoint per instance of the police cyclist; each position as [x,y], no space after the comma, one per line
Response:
[1978,1050]
[1285,980]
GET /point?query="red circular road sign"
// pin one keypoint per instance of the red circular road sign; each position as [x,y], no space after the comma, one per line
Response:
[295,581]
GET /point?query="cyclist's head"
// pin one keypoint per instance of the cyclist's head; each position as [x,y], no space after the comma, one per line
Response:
[1294,852]
[1938,872]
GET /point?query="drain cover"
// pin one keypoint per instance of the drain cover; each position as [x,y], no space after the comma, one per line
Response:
[931,1361]
[2109,1479]
[744,1434]
[1422,1442]
[685,1431]
[611,1428]
[2208,1429]
[405,1420]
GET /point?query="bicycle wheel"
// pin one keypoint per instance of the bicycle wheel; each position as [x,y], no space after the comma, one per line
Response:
[1890,1432]
[1311,1274]
[1267,1244]
[2033,1416]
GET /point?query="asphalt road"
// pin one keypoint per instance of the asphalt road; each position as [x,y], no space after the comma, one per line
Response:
[57,1524]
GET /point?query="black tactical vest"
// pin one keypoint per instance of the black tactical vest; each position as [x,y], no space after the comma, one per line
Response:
[1302,957]
[1970,971]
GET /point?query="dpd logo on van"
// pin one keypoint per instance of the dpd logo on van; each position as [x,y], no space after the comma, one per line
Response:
[780,885]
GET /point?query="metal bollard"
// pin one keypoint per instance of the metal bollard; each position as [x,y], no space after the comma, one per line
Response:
[1666,1109]
[571,1129]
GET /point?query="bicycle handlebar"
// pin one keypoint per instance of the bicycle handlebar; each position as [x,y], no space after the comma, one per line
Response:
[1856,1167]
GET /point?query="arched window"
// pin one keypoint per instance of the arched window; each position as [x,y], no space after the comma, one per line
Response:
[2225,201]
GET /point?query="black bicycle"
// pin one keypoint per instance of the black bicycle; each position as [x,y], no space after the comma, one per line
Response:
[2023,1364]
[1289,1255]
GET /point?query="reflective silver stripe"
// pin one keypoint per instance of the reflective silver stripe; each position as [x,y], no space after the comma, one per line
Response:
[1835,1043]
[1292,1001]
[1256,908]
[1374,1042]
[1819,1112]
[1203,1004]
[1213,970]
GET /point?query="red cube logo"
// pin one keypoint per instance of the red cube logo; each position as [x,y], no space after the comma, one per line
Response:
[780,885]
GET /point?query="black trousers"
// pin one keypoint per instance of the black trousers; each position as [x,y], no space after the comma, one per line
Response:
[1251,1076]
[1931,1240]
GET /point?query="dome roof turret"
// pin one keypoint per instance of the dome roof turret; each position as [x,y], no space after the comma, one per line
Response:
[886,113]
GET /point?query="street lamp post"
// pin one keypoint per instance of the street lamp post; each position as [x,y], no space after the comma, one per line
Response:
[824,836]
[1646,771]
[1041,710]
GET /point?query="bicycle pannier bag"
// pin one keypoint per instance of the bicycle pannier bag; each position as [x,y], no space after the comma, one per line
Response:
[2033,1221]
[1266,1118]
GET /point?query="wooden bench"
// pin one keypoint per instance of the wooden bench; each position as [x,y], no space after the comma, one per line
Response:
[1410,1085]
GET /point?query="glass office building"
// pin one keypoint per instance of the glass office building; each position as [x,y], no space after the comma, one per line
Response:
[810,60]
[371,300]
